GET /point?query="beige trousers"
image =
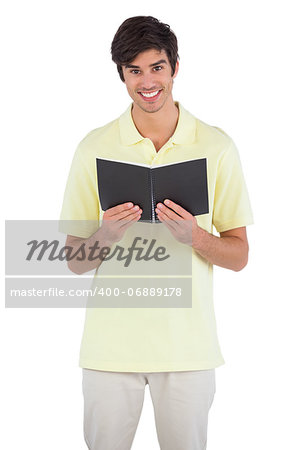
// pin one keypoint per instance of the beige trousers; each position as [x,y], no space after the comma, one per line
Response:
[113,404]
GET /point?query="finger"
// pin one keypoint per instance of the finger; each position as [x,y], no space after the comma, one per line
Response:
[169,213]
[178,209]
[121,218]
[165,219]
[181,233]
[123,213]
[119,209]
[126,223]
[128,214]
[179,226]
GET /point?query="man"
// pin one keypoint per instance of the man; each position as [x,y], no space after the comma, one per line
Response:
[174,350]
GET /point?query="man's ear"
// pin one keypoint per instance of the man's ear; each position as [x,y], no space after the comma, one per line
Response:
[176,68]
[123,74]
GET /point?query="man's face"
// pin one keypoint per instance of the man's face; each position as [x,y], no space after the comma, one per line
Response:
[148,80]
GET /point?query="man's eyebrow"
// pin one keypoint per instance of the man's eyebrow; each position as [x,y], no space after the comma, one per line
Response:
[132,66]
[161,61]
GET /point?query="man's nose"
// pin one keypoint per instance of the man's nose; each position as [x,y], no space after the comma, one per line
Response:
[148,82]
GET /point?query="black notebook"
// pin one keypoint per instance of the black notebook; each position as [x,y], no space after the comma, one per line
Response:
[185,183]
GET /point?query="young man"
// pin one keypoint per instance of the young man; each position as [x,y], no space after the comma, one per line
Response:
[174,350]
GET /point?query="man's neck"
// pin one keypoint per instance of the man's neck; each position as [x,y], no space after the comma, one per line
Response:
[158,126]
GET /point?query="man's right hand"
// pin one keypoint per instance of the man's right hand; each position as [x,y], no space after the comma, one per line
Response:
[117,219]
[115,222]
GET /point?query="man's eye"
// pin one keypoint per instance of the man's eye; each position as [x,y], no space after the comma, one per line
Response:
[134,71]
[158,68]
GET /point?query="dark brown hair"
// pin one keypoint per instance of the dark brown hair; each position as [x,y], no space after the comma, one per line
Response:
[140,33]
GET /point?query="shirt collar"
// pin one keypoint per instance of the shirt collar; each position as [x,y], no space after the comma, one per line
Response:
[184,133]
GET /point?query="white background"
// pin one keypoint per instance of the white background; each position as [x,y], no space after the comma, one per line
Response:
[239,70]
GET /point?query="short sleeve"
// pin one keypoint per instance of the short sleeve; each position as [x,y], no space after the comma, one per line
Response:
[232,208]
[80,209]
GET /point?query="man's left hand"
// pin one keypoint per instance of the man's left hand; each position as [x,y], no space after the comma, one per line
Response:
[182,224]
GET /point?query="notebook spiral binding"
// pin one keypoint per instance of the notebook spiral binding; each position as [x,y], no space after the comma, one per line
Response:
[153,201]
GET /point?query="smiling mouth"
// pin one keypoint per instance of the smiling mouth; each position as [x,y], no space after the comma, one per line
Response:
[153,95]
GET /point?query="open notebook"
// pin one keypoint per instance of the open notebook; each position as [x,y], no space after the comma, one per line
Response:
[183,182]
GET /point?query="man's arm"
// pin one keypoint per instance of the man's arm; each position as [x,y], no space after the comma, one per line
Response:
[230,250]
[80,267]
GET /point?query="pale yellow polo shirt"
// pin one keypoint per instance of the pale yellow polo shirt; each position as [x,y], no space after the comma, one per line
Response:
[158,339]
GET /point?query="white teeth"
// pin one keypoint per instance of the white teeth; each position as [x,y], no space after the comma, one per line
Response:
[152,94]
